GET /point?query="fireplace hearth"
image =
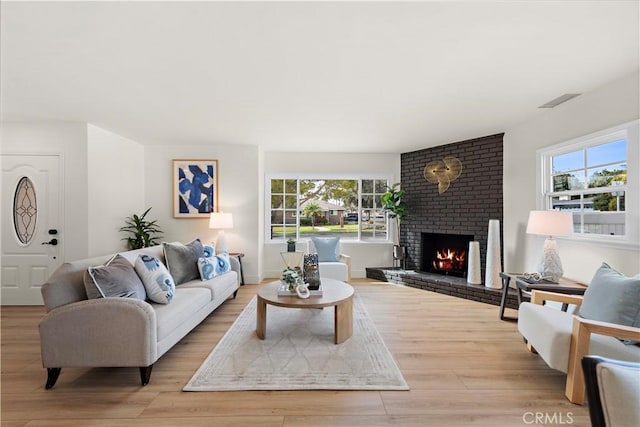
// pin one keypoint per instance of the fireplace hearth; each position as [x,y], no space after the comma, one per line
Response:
[445,254]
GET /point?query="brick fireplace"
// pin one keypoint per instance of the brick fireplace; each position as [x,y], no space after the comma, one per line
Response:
[464,209]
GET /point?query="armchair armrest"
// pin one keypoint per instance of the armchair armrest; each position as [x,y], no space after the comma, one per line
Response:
[539,297]
[580,339]
[99,332]
[347,260]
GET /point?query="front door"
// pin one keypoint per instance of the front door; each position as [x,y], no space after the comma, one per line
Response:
[31,221]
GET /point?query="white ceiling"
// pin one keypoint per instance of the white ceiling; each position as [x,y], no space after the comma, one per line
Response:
[304,76]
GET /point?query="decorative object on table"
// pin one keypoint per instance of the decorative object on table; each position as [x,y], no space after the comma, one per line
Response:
[144,233]
[302,290]
[493,269]
[312,271]
[292,277]
[395,208]
[474,275]
[221,221]
[283,291]
[443,172]
[195,188]
[550,223]
[291,245]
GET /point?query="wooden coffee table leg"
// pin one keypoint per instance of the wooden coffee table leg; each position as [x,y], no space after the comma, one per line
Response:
[343,321]
[261,318]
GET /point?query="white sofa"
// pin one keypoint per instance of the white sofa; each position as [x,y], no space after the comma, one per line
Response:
[121,332]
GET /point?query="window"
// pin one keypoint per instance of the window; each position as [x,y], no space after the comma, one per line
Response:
[589,177]
[305,207]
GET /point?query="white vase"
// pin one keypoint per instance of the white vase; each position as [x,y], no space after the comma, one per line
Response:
[492,272]
[474,276]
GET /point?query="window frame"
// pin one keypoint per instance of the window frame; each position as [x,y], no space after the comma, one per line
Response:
[317,176]
[630,132]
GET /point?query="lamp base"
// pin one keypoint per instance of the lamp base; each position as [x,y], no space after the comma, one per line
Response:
[221,243]
[550,266]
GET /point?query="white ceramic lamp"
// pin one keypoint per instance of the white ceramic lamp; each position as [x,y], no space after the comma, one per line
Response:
[221,221]
[550,223]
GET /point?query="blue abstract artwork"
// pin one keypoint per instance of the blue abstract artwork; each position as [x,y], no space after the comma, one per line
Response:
[195,187]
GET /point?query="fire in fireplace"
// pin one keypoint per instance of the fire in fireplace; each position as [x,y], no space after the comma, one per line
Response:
[445,253]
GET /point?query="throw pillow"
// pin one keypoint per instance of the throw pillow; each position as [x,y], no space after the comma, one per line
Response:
[612,297]
[211,267]
[182,260]
[327,248]
[116,278]
[156,279]
[209,250]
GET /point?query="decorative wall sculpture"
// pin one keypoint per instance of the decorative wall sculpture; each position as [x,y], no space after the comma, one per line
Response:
[443,172]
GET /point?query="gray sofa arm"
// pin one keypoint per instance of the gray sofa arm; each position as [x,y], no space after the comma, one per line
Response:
[235,266]
[99,333]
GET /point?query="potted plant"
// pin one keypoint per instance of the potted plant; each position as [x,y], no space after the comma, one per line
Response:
[395,208]
[144,233]
[291,245]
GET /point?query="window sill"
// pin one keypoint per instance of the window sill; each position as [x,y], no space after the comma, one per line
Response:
[604,242]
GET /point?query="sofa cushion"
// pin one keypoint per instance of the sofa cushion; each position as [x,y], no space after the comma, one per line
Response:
[186,302]
[156,279]
[219,286]
[328,248]
[213,266]
[182,260]
[612,297]
[116,278]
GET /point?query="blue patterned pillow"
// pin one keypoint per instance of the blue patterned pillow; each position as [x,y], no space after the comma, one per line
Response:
[209,250]
[214,266]
[156,279]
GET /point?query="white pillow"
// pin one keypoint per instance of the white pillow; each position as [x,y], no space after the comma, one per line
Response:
[156,279]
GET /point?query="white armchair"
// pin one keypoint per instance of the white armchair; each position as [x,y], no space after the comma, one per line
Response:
[329,248]
[613,391]
[562,339]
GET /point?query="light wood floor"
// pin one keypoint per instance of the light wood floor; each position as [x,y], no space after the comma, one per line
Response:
[464,367]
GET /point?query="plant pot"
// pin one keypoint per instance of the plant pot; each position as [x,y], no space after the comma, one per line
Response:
[291,247]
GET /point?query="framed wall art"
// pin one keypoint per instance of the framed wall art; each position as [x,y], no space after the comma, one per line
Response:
[195,188]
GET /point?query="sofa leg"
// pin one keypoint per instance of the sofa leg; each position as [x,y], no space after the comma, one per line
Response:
[235,293]
[52,377]
[145,374]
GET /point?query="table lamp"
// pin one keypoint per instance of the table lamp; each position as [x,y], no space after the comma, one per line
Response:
[550,223]
[221,221]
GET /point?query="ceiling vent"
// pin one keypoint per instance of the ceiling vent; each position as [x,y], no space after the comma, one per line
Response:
[559,100]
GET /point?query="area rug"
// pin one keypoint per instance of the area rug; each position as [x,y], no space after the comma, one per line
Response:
[298,353]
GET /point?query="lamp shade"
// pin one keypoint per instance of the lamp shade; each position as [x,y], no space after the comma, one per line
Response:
[550,223]
[220,220]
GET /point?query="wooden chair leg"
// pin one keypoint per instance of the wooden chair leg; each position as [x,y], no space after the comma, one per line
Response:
[145,374]
[52,377]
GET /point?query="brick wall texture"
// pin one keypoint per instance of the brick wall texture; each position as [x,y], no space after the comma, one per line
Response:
[466,207]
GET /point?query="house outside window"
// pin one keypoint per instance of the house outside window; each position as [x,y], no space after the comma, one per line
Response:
[590,177]
[300,208]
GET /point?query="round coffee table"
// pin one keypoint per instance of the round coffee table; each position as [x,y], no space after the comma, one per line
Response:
[334,293]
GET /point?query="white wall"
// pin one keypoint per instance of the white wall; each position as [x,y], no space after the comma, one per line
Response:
[613,104]
[115,188]
[69,140]
[324,164]
[238,177]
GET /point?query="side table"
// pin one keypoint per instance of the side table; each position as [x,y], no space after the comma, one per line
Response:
[566,286]
[239,256]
